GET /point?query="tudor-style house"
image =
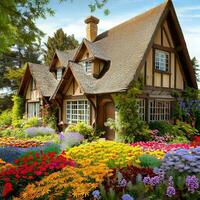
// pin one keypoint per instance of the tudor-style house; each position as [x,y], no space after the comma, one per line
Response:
[81,81]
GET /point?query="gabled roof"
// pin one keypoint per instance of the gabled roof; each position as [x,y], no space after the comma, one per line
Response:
[127,45]
[97,52]
[63,56]
[45,81]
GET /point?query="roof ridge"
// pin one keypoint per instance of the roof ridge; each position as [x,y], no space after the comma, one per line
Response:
[130,20]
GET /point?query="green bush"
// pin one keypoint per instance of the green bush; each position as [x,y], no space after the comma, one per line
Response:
[6,118]
[47,138]
[17,111]
[180,140]
[163,127]
[82,128]
[31,122]
[149,161]
[16,133]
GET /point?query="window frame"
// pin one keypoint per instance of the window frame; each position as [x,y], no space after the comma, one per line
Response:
[159,113]
[142,108]
[35,110]
[59,70]
[157,61]
[72,115]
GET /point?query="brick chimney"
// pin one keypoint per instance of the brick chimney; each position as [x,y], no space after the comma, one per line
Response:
[91,28]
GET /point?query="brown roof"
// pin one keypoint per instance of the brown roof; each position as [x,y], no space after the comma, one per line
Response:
[125,46]
[45,80]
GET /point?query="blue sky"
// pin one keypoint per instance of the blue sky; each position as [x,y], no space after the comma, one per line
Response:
[70,16]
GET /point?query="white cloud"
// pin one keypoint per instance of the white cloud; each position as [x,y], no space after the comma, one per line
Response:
[183,10]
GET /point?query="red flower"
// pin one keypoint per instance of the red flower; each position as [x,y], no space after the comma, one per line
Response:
[7,189]
[38,173]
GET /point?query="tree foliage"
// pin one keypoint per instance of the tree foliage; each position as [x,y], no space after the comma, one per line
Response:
[196,68]
[60,41]
[17,21]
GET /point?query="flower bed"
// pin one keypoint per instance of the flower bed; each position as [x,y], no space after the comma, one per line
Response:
[31,168]
[10,153]
[153,146]
[113,154]
[11,141]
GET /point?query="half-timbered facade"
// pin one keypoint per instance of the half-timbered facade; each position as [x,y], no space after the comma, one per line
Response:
[150,45]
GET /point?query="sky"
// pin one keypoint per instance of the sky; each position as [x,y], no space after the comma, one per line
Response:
[70,16]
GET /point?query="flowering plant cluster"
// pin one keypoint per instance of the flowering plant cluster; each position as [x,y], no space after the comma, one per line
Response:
[11,141]
[4,165]
[183,160]
[113,154]
[196,141]
[70,183]
[34,131]
[31,168]
[160,146]
[161,139]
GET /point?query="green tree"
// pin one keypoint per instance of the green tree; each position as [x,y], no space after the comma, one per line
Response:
[17,21]
[196,68]
[60,41]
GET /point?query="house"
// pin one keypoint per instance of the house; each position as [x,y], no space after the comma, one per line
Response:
[81,81]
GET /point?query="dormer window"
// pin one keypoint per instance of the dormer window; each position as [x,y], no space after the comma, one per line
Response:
[88,67]
[59,74]
[161,60]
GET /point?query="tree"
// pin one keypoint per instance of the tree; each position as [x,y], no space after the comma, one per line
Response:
[60,41]
[17,21]
[12,69]
[196,68]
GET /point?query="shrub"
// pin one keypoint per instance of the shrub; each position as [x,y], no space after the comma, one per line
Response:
[70,139]
[35,131]
[17,111]
[149,161]
[31,122]
[6,118]
[47,138]
[180,140]
[162,127]
[82,128]
[16,133]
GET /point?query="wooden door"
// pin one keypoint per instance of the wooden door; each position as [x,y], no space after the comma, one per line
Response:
[109,112]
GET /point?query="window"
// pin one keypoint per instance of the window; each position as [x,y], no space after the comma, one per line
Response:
[78,111]
[161,60]
[141,108]
[88,67]
[33,109]
[59,74]
[159,110]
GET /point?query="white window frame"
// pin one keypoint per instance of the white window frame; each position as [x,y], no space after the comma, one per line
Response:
[162,60]
[159,110]
[77,111]
[33,109]
[59,74]
[142,109]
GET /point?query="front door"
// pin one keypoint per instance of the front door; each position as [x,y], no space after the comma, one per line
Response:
[109,112]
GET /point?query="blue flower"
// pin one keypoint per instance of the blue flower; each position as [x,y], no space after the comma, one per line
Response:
[127,197]
[96,194]
[170,191]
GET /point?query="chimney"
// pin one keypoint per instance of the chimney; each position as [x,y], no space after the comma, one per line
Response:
[91,28]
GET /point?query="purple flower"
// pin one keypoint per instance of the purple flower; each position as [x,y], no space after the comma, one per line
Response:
[34,131]
[171,182]
[127,197]
[122,182]
[146,180]
[96,194]
[155,180]
[170,191]
[192,183]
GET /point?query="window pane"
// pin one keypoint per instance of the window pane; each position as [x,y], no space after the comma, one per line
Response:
[77,111]
[59,74]
[161,60]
